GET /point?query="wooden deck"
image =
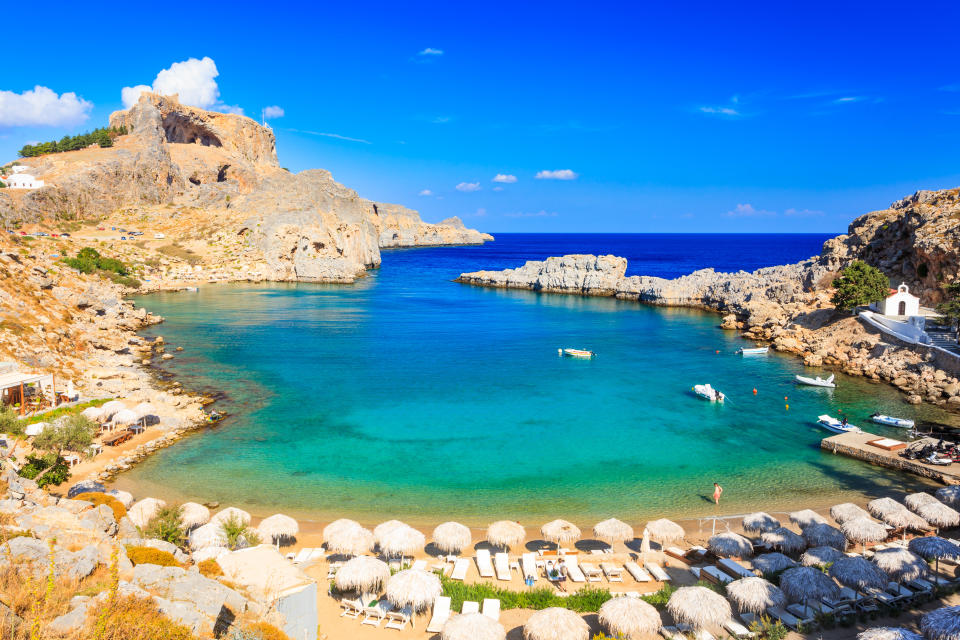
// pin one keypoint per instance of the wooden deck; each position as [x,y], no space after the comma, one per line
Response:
[854,445]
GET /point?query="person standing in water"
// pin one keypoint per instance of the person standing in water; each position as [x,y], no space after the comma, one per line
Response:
[717,492]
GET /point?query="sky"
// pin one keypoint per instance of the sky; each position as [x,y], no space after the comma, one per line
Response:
[538,117]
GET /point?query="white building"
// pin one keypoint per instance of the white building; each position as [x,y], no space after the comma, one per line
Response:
[900,302]
[21,180]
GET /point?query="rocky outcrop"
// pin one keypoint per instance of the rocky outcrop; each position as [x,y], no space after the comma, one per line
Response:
[580,274]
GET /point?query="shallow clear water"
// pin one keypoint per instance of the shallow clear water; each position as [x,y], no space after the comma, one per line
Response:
[412,396]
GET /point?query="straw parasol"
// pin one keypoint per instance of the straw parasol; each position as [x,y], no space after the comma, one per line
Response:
[900,564]
[806,583]
[414,588]
[819,556]
[759,522]
[699,607]
[613,530]
[110,408]
[208,535]
[144,510]
[231,513]
[863,530]
[347,537]
[555,623]
[939,515]
[193,515]
[941,624]
[858,573]
[847,511]
[401,541]
[629,617]
[823,535]
[895,514]
[934,548]
[784,539]
[278,528]
[472,626]
[888,633]
[806,517]
[731,545]
[916,500]
[772,562]
[505,533]
[755,595]
[664,530]
[363,573]
[381,529]
[92,413]
[452,537]
[949,495]
[124,416]
[560,531]
[144,409]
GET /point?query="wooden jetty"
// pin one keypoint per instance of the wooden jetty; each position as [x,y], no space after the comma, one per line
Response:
[884,452]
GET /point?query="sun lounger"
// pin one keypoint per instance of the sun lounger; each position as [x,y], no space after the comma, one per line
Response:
[920,587]
[749,618]
[399,619]
[612,571]
[737,630]
[374,615]
[590,572]
[316,555]
[677,553]
[882,597]
[351,608]
[441,613]
[332,569]
[491,608]
[714,575]
[672,633]
[861,601]
[734,568]
[484,564]
[460,568]
[302,555]
[639,574]
[469,606]
[900,591]
[574,574]
[789,620]
[802,612]
[657,572]
[501,563]
[528,562]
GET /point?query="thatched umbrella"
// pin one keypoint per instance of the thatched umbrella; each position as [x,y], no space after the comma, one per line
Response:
[755,595]
[414,588]
[900,564]
[785,540]
[193,515]
[144,510]
[109,408]
[759,522]
[664,531]
[858,573]
[699,607]
[823,535]
[124,417]
[208,535]
[939,515]
[363,573]
[847,511]
[731,545]
[863,530]
[934,548]
[381,529]
[278,528]
[916,500]
[144,409]
[472,626]
[806,583]
[949,495]
[629,617]
[555,623]
[941,624]
[505,533]
[806,517]
[613,531]
[93,413]
[451,537]
[819,556]
[231,513]
[772,562]
[401,541]
[888,633]
[895,514]
[560,531]
[347,537]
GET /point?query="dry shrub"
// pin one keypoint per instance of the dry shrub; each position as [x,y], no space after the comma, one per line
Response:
[102,498]
[35,600]
[210,568]
[132,618]
[826,280]
[149,555]
[266,631]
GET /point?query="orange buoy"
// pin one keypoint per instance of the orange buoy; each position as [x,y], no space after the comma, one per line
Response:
[718,350]
[754,391]
[784,397]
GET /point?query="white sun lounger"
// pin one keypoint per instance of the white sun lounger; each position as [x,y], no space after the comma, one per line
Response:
[657,572]
[737,630]
[638,573]
[735,569]
[374,615]
[399,619]
[469,606]
[351,608]
[460,568]
[612,571]
[573,571]
[718,576]
[441,613]
[591,572]
[420,564]
[700,634]
[484,564]
[501,562]
[302,556]
[491,608]
[528,562]
[317,554]
[672,633]
[788,619]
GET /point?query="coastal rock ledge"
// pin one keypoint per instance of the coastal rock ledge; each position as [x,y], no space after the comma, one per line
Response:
[579,274]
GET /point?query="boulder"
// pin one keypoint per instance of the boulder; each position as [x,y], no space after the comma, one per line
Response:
[176,584]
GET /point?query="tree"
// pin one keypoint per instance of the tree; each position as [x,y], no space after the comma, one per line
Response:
[859,284]
[73,433]
[950,307]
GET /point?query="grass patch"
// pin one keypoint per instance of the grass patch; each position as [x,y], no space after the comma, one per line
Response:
[53,414]
[149,555]
[98,499]
[174,250]
[209,568]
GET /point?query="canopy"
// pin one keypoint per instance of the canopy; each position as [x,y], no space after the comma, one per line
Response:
[888,633]
[772,562]
[403,540]
[755,595]
[505,533]
[144,409]
[939,515]
[933,548]
[414,588]
[555,623]
[895,514]
[847,511]
[699,607]
[193,515]
[363,573]
[941,624]
[900,564]
[806,517]
[144,510]
[664,530]
[472,626]
[627,617]
[916,500]
[231,513]
[819,556]
[381,529]
[759,522]
[347,537]
[730,544]
[806,583]
[278,528]
[452,537]
[858,573]
[613,530]
[863,530]
[784,539]
[124,416]
[560,531]
[823,535]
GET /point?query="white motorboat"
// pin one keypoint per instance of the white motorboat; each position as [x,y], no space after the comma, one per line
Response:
[817,382]
[837,426]
[752,351]
[890,421]
[576,353]
[707,392]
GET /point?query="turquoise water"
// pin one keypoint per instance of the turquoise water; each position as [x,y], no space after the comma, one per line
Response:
[407,395]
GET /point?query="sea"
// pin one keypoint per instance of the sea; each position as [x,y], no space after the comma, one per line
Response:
[407,395]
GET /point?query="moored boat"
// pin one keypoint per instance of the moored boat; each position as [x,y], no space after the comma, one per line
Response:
[707,392]
[576,353]
[890,421]
[752,351]
[817,382]
[837,426]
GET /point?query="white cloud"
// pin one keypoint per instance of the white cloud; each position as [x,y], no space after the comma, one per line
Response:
[227,108]
[192,80]
[41,106]
[748,210]
[802,212]
[441,119]
[505,178]
[558,174]
[720,111]
[481,212]
[469,186]
[847,99]
[498,188]
[273,111]
[536,214]
[425,192]
[430,51]
[130,95]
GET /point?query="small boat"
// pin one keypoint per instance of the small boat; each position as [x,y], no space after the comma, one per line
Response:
[753,351]
[215,416]
[817,382]
[832,424]
[890,421]
[576,353]
[707,392]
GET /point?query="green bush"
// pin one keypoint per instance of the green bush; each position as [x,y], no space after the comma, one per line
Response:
[10,423]
[103,136]
[89,260]
[37,465]
[168,525]
[238,534]
[859,284]
[768,629]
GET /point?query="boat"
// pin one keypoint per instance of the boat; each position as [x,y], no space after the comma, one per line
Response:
[890,421]
[576,353]
[817,382]
[832,424]
[752,351]
[707,392]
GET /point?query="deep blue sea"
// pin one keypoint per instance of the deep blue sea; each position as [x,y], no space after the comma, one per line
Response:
[408,395]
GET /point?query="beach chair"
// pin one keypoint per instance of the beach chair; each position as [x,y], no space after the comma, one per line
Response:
[441,613]
[528,564]
[501,562]
[491,608]
[678,554]
[484,564]
[788,619]
[749,618]
[714,575]
[734,568]
[639,574]
[317,555]
[672,633]
[470,606]
[590,572]
[612,571]
[460,568]
[332,570]
[574,574]
[900,591]
[700,634]
[351,608]
[861,601]
[420,564]
[399,619]
[803,612]
[302,556]
[737,630]
[657,572]
[374,614]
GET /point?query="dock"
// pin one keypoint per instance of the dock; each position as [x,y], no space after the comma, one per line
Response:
[857,445]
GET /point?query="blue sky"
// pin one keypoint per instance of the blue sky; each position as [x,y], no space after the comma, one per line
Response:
[691,117]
